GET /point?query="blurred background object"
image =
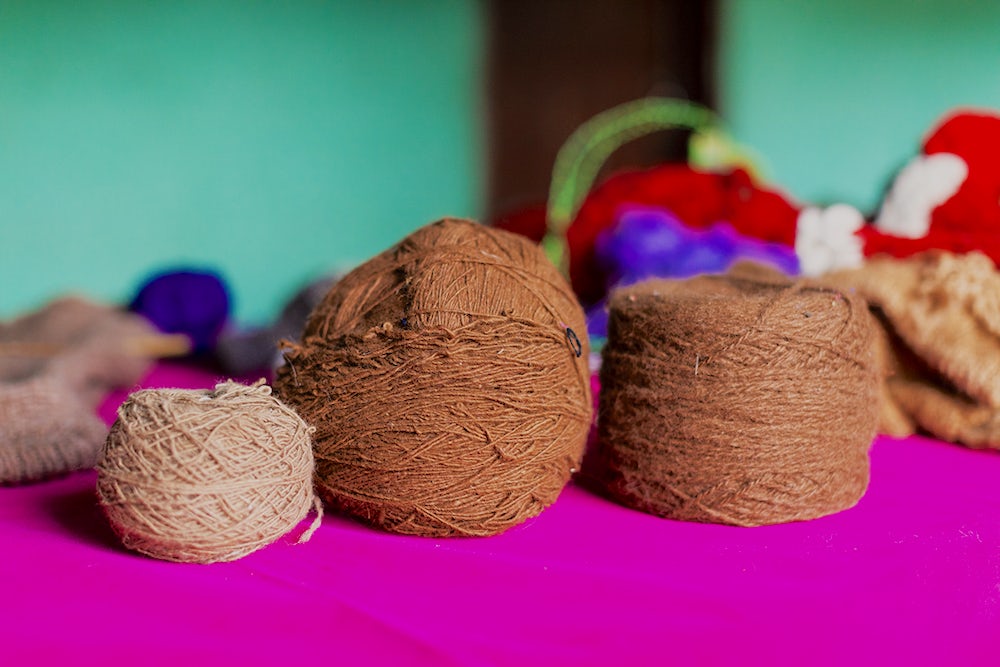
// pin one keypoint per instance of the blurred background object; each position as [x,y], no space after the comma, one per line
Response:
[242,352]
[189,301]
[272,142]
[555,64]
[281,143]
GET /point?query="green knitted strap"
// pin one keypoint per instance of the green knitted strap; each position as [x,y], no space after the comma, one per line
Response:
[580,158]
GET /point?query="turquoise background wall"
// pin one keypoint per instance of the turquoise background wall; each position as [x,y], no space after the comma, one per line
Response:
[279,141]
[271,141]
[837,95]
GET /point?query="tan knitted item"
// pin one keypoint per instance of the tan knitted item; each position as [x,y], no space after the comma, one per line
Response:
[941,347]
[948,415]
[29,344]
[45,430]
[56,365]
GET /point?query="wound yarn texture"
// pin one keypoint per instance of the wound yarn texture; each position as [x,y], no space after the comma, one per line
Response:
[447,381]
[205,475]
[736,401]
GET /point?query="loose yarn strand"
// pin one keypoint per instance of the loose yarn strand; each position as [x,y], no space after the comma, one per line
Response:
[316,522]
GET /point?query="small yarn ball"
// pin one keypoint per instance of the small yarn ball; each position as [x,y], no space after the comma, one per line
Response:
[186,301]
[447,380]
[738,401]
[205,475]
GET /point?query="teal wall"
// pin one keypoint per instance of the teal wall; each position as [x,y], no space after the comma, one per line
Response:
[837,95]
[271,141]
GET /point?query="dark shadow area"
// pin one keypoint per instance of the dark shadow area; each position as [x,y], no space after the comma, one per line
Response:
[79,513]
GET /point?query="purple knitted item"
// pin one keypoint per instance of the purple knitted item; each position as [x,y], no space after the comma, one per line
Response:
[653,243]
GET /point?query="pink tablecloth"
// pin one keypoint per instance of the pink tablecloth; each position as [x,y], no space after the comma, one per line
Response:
[909,576]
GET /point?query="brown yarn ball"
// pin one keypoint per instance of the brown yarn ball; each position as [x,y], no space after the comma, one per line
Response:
[736,401]
[205,475]
[447,379]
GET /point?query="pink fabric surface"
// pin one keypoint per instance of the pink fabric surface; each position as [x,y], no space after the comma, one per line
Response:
[909,576]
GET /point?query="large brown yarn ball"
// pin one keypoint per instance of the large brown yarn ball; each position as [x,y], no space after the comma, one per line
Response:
[205,475]
[447,379]
[736,401]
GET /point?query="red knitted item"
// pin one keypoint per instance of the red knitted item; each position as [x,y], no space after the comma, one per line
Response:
[699,199]
[975,208]
[969,218]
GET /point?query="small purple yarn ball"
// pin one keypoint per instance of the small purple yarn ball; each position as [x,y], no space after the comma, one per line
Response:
[186,301]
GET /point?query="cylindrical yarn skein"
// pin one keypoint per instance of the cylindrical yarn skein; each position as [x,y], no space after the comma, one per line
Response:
[447,380]
[206,475]
[736,401]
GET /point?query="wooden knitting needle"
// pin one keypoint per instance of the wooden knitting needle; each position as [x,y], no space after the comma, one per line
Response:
[153,346]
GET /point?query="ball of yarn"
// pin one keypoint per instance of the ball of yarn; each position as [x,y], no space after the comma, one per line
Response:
[186,301]
[736,401]
[448,383]
[205,475]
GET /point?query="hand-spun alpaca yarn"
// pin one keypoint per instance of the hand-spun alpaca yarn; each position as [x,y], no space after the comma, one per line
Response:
[206,475]
[736,401]
[448,383]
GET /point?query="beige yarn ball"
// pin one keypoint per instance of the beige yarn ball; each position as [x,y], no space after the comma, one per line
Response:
[205,476]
